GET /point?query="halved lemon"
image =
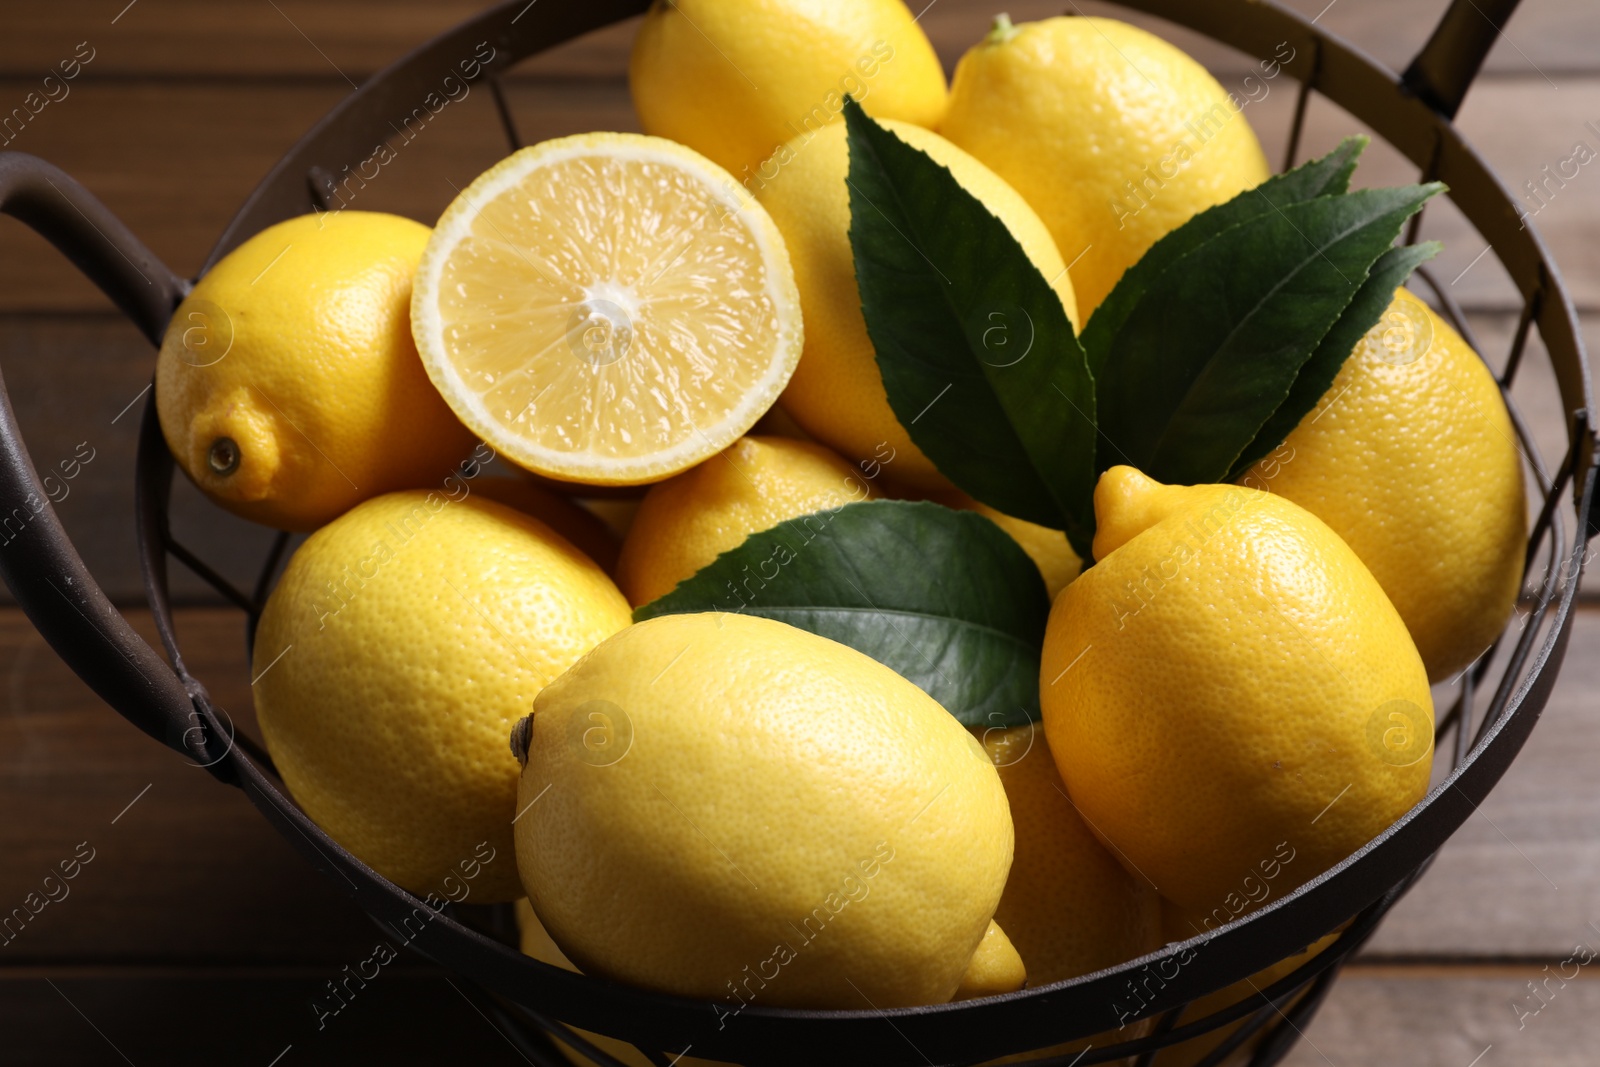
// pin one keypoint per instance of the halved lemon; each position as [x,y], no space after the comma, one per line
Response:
[607,309]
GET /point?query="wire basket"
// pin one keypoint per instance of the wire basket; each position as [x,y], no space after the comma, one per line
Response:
[533,1002]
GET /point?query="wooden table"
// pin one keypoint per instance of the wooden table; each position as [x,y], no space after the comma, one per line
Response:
[194,935]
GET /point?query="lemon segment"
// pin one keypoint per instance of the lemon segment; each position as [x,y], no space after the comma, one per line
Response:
[607,308]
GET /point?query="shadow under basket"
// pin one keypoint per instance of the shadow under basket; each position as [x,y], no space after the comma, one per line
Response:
[1498,699]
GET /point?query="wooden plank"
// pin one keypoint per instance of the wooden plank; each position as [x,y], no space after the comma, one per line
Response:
[77,384]
[140,147]
[172,163]
[1419,1017]
[1545,37]
[130,144]
[304,39]
[1520,127]
[183,869]
[175,163]
[406,1016]
[1521,876]
[188,38]
[1442,1018]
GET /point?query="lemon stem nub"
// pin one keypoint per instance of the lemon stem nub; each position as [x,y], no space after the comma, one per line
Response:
[521,737]
[223,456]
[1002,30]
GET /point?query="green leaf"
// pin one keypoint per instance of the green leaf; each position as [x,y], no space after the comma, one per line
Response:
[944,597]
[1314,379]
[1216,341]
[979,360]
[1327,176]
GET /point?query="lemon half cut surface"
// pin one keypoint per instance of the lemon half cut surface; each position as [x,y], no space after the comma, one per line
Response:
[607,308]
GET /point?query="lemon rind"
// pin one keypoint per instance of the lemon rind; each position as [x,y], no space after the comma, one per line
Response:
[454,226]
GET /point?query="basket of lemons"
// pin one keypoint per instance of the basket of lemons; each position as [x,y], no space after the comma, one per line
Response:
[869,569]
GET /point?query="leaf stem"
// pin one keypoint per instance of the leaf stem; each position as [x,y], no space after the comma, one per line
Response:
[1002,30]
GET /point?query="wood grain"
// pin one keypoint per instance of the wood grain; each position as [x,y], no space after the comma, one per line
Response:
[192,1018]
[175,162]
[1441,1017]
[196,935]
[329,40]
[1521,876]
[189,873]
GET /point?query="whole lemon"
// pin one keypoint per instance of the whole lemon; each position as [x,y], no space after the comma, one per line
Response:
[728,807]
[402,642]
[735,79]
[535,941]
[1115,136]
[586,530]
[1229,686]
[994,968]
[837,394]
[1411,458]
[1069,907]
[288,386]
[691,518]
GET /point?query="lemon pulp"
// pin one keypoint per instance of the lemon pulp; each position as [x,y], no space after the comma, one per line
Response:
[609,308]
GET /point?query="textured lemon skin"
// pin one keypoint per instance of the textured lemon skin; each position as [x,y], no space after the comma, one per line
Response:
[1069,907]
[587,531]
[1415,465]
[582,251]
[535,941]
[1221,683]
[690,519]
[836,394]
[1072,110]
[779,804]
[994,969]
[403,641]
[736,79]
[321,388]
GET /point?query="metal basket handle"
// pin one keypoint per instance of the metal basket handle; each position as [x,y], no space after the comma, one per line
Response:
[1444,70]
[40,565]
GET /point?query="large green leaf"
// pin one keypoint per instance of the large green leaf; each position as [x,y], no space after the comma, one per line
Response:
[1216,341]
[1327,176]
[1314,379]
[944,597]
[979,360]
